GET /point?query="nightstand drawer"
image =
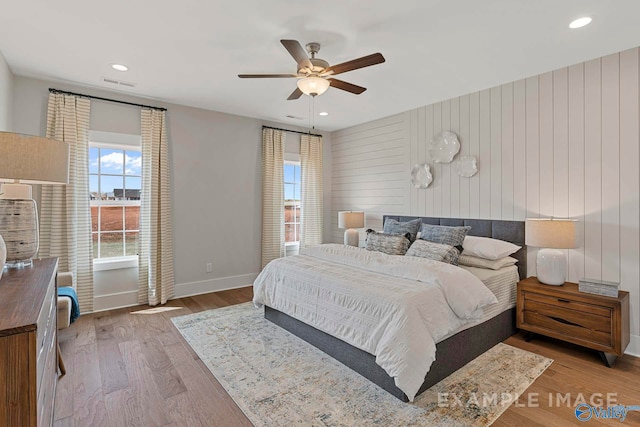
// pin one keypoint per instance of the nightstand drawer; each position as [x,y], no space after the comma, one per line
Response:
[574,324]
[567,303]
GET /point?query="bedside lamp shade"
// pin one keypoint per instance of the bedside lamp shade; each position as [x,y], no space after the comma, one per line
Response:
[33,159]
[551,234]
[24,160]
[351,220]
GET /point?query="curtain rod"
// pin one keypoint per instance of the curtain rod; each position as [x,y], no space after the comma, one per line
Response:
[51,90]
[292,131]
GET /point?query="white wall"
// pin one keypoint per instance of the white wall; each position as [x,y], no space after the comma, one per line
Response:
[216,185]
[6,95]
[563,144]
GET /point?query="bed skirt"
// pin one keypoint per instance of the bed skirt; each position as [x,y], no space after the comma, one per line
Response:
[451,354]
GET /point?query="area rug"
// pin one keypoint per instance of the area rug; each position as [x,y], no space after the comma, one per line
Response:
[277,379]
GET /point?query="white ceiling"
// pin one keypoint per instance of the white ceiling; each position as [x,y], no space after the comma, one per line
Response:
[190,51]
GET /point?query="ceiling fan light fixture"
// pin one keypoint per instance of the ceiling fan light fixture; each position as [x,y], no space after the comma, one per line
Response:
[313,86]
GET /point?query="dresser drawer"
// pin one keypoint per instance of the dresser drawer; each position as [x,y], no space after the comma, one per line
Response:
[46,332]
[47,388]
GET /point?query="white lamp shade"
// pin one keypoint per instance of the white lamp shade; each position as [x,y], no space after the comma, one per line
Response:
[550,233]
[313,85]
[33,159]
[349,219]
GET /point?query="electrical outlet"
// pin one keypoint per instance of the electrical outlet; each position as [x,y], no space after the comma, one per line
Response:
[209,267]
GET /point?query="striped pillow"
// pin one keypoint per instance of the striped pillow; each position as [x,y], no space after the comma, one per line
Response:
[391,226]
[434,251]
[453,236]
[390,244]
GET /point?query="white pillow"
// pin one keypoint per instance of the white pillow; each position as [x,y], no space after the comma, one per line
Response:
[474,261]
[487,248]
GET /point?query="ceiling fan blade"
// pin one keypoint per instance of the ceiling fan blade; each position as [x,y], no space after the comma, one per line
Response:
[349,87]
[295,95]
[297,51]
[265,76]
[354,64]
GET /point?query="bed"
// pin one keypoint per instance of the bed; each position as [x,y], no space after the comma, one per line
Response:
[451,351]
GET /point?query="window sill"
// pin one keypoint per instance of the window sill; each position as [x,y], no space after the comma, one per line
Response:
[286,244]
[115,263]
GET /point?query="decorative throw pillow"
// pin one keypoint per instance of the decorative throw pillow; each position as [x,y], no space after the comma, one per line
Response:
[473,261]
[391,226]
[488,248]
[391,244]
[434,251]
[453,236]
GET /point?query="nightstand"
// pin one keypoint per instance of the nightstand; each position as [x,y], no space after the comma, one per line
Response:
[593,321]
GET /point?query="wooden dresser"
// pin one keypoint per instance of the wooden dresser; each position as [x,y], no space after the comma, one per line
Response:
[594,321]
[28,344]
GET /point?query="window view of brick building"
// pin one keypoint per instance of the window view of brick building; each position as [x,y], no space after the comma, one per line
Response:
[115,180]
[291,202]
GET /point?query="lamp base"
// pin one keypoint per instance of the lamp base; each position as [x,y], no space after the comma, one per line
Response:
[551,267]
[352,237]
[19,229]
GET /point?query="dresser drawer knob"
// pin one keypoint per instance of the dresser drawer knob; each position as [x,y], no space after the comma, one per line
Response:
[563,300]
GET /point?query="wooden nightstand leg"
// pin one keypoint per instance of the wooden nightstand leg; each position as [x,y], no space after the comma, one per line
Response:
[608,358]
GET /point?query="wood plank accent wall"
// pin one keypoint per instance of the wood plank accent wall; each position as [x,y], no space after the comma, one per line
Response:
[564,144]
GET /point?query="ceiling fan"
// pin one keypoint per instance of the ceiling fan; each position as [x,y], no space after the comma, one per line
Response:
[314,74]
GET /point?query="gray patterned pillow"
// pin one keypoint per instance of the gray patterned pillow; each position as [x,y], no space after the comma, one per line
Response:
[391,226]
[434,251]
[474,261]
[391,244]
[453,236]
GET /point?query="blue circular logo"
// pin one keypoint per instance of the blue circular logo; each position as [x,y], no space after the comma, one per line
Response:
[584,412]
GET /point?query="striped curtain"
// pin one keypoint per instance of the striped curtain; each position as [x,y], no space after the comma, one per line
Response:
[272,194]
[312,206]
[65,214]
[156,282]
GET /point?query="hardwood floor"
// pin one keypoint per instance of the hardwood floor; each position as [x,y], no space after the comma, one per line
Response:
[131,367]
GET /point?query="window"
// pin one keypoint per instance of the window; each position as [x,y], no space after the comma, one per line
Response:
[115,182]
[291,202]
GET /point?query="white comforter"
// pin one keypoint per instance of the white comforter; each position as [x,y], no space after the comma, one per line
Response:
[394,307]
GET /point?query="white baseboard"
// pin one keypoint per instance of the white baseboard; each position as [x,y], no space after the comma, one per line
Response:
[130,298]
[113,301]
[633,349]
[214,285]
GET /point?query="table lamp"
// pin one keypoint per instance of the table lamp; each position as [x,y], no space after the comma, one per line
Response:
[351,220]
[25,160]
[551,234]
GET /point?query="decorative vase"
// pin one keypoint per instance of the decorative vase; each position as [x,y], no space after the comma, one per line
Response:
[3,255]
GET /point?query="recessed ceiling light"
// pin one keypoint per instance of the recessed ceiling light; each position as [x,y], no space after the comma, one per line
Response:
[323,113]
[119,67]
[580,22]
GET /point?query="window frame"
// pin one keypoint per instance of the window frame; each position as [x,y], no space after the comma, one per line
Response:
[114,141]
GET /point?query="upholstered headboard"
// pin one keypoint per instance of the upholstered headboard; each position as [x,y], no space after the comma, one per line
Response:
[510,231]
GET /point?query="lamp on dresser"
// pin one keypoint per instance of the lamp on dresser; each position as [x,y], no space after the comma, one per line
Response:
[25,160]
[351,220]
[551,234]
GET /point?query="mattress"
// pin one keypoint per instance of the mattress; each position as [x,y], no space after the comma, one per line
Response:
[502,283]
